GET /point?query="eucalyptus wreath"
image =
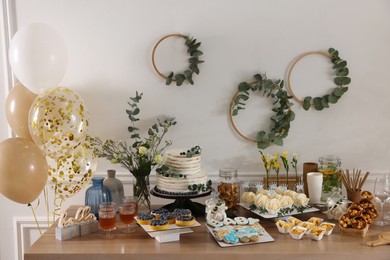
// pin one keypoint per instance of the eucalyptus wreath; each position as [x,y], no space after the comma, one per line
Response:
[194,60]
[341,80]
[280,121]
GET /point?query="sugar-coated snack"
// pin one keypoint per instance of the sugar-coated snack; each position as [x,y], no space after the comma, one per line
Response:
[144,219]
[354,211]
[359,223]
[158,224]
[185,220]
[367,195]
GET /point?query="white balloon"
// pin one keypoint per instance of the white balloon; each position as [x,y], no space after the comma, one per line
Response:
[38,56]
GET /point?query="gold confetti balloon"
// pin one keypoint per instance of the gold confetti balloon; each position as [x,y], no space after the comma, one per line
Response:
[58,121]
[69,174]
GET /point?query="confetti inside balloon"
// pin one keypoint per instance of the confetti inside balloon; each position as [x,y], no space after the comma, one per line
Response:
[69,174]
[58,121]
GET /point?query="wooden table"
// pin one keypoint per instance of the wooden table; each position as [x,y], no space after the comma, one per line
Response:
[201,245]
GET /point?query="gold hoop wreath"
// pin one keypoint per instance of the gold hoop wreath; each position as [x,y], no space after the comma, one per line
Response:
[280,122]
[341,80]
[194,61]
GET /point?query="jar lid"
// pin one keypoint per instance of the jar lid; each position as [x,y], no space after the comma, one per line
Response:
[228,173]
[329,158]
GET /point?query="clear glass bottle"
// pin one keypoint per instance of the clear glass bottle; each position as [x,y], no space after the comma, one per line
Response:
[329,166]
[97,194]
[229,187]
[115,186]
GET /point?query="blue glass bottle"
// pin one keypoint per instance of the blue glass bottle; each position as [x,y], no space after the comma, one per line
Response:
[97,194]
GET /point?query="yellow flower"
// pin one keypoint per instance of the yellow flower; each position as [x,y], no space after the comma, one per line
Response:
[285,154]
[142,150]
[276,155]
[158,159]
[114,160]
[268,165]
[277,165]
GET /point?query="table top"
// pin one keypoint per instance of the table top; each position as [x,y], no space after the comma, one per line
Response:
[200,243]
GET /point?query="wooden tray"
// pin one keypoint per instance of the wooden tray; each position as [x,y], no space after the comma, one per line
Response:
[354,232]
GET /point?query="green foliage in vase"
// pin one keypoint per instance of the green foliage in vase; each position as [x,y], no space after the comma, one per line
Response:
[283,115]
[138,154]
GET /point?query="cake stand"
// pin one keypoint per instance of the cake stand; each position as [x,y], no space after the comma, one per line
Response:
[183,201]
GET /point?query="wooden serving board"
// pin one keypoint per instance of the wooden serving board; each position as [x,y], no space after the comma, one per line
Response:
[384,239]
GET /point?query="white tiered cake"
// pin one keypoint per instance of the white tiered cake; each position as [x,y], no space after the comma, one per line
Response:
[182,168]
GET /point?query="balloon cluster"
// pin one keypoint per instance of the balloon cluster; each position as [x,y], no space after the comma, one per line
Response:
[51,126]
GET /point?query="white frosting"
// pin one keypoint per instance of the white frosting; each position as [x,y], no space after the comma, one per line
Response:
[188,167]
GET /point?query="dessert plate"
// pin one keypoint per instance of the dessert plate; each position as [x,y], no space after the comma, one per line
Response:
[275,215]
[264,238]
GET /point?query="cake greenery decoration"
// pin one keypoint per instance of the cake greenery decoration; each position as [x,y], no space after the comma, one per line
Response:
[200,187]
[167,171]
[283,115]
[196,150]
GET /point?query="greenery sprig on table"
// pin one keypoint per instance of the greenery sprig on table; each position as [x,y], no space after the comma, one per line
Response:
[194,61]
[341,80]
[280,121]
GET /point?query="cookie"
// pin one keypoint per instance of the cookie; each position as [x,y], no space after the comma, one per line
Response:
[241,220]
[229,221]
[215,223]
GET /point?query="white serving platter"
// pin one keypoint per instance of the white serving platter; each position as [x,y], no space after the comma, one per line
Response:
[268,215]
[264,238]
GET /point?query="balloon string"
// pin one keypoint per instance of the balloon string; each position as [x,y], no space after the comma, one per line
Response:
[45,193]
[35,217]
[58,206]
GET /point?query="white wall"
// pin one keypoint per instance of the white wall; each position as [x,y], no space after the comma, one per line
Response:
[110,45]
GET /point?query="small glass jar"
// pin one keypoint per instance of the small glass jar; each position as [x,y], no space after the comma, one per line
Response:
[229,187]
[329,166]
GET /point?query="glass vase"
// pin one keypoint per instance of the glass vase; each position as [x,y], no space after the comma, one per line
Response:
[141,188]
[115,186]
[97,194]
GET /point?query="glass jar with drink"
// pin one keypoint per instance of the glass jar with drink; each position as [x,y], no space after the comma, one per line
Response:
[107,218]
[127,211]
[329,166]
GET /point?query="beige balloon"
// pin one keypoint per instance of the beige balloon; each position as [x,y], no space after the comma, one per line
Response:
[23,170]
[17,107]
